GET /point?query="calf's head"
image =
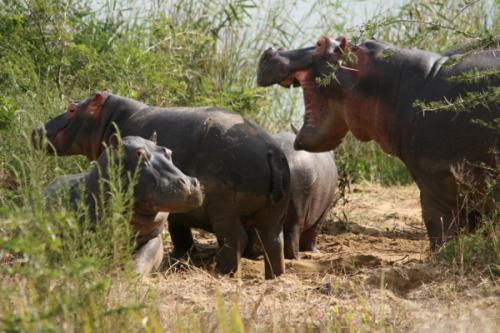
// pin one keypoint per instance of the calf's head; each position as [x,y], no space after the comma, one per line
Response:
[160,185]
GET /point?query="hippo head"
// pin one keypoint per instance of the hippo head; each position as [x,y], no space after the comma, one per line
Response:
[81,120]
[320,71]
[160,186]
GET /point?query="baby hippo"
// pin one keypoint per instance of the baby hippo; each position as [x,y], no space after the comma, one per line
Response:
[160,188]
[313,181]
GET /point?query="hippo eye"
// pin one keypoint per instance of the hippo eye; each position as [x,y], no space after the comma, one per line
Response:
[142,155]
[72,110]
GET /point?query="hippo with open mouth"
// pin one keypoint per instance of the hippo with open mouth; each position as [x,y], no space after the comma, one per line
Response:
[437,113]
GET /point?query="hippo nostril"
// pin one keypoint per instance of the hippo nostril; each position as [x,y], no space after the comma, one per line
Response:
[195,182]
[183,181]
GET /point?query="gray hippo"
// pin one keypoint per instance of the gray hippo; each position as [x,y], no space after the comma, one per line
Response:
[244,174]
[313,180]
[160,188]
[427,109]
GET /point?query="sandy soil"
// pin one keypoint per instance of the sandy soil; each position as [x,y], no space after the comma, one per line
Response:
[373,272]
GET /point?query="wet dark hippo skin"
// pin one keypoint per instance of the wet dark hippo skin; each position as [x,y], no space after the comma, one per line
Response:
[376,90]
[244,174]
[160,188]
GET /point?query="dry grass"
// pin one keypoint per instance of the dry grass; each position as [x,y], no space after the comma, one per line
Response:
[373,273]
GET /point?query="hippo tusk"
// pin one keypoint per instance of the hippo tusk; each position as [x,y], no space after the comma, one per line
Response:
[294,129]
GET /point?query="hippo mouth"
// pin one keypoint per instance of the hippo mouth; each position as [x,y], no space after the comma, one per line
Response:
[313,103]
[183,199]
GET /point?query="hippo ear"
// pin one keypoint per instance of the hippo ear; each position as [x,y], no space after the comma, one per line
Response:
[97,102]
[323,45]
[343,44]
[154,138]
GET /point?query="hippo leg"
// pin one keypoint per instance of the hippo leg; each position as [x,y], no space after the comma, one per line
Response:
[181,236]
[291,233]
[272,242]
[269,226]
[308,237]
[439,220]
[234,237]
[292,240]
[148,257]
[252,250]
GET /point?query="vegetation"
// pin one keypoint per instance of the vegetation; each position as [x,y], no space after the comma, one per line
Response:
[59,274]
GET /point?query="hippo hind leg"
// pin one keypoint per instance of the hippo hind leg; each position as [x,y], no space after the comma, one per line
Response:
[309,236]
[269,226]
[291,232]
[272,242]
[231,236]
[149,256]
[253,248]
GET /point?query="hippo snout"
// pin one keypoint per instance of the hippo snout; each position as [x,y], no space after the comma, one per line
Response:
[190,188]
[189,185]
[270,65]
[276,65]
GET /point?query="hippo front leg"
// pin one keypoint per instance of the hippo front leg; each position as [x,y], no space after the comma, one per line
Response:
[149,256]
[181,236]
[439,220]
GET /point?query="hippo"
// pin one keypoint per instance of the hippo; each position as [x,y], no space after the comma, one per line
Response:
[417,105]
[313,180]
[243,172]
[160,188]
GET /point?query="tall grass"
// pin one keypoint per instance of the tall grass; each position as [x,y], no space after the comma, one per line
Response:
[58,276]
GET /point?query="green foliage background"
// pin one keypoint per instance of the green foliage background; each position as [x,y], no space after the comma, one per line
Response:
[168,53]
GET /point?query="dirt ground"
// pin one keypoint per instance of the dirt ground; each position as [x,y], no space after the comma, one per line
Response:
[373,272]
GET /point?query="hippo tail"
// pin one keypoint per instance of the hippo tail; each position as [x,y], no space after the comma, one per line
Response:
[280,175]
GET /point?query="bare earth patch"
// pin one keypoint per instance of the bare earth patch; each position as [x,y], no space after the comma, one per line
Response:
[373,272]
